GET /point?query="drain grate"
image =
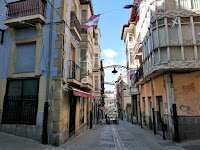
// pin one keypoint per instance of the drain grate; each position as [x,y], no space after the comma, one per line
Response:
[192,147]
[167,143]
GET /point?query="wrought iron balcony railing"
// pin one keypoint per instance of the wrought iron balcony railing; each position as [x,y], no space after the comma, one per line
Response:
[26,8]
[74,71]
[139,73]
[75,22]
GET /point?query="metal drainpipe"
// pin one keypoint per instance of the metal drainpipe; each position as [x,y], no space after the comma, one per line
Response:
[45,133]
[153,108]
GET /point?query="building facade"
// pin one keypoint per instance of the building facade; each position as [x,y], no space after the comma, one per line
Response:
[128,38]
[125,110]
[45,77]
[97,74]
[168,69]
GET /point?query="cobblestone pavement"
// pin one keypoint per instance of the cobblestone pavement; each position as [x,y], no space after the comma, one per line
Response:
[124,136]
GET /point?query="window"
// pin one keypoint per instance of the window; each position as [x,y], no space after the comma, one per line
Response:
[96,83]
[1,36]
[131,58]
[25,58]
[74,7]
[96,61]
[20,103]
[197,28]
[82,110]
[156,57]
[171,4]
[162,37]
[84,16]
[198,51]
[186,31]
[155,39]
[163,55]
[173,35]
[189,53]
[160,4]
[175,53]
[130,37]
[96,41]
[185,4]
[195,4]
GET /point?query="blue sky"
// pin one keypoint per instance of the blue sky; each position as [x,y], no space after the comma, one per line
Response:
[110,24]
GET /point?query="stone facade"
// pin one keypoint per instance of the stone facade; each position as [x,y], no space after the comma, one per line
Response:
[168,59]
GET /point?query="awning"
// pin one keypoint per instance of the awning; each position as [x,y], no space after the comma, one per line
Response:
[103,108]
[78,92]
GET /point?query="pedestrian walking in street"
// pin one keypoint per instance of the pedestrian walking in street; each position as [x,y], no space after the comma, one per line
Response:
[164,128]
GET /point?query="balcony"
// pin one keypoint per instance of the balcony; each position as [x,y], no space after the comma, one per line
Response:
[29,11]
[86,80]
[139,74]
[74,76]
[75,26]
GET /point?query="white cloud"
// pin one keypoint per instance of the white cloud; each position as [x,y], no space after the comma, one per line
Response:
[109,53]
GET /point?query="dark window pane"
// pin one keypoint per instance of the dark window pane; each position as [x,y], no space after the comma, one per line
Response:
[15,88]
[30,87]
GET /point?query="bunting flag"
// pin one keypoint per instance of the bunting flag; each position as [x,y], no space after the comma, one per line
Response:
[174,22]
[189,25]
[132,76]
[135,2]
[128,6]
[136,8]
[159,11]
[198,35]
[92,22]
[21,22]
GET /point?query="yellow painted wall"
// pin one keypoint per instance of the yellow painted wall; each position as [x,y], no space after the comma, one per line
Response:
[77,123]
[2,92]
[160,90]
[146,92]
[42,94]
[187,93]
[85,109]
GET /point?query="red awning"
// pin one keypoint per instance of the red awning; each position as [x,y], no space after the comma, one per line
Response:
[78,92]
[103,108]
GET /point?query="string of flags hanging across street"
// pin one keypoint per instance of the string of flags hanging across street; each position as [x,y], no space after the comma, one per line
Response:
[93,20]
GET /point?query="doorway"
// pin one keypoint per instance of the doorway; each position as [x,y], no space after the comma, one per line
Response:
[160,111]
[72,116]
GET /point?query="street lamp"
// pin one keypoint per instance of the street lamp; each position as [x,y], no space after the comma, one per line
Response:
[124,88]
[114,71]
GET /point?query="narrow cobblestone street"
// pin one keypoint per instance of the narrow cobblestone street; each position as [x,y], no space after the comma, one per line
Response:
[118,137]
[124,136]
